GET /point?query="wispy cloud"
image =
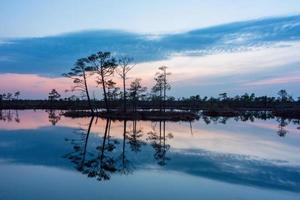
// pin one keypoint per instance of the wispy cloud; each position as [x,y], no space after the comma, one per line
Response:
[276,80]
[57,53]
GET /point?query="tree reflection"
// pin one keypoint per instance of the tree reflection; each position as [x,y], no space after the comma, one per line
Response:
[103,164]
[124,163]
[244,116]
[158,142]
[282,127]
[297,122]
[54,116]
[102,161]
[78,155]
[102,158]
[135,138]
[252,116]
[10,116]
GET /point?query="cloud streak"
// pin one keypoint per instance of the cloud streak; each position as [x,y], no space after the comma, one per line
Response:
[277,80]
[53,55]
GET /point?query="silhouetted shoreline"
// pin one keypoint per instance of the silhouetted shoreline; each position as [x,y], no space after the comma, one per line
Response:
[175,110]
[139,115]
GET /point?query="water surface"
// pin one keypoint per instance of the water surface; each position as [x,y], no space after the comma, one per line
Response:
[44,155]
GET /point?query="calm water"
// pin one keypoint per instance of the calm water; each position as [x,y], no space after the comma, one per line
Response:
[46,156]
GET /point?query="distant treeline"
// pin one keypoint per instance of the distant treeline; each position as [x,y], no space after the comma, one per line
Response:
[192,103]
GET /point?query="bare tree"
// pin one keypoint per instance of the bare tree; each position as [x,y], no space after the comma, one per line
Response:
[79,74]
[124,67]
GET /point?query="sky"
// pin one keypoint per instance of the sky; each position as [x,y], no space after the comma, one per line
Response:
[29,18]
[210,46]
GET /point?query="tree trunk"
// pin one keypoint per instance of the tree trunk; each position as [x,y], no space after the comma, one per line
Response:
[103,142]
[86,142]
[124,93]
[164,104]
[160,99]
[104,91]
[87,94]
[123,149]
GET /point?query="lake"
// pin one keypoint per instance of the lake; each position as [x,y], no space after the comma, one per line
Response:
[44,155]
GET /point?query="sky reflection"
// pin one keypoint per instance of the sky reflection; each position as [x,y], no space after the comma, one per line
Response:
[242,155]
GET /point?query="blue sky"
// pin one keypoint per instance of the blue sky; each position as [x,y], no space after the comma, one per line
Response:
[27,18]
[211,46]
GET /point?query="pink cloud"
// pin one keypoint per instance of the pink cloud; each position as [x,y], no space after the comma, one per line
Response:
[37,87]
[31,85]
[277,80]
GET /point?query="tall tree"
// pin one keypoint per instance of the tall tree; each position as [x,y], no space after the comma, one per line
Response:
[53,95]
[284,96]
[17,94]
[136,91]
[124,67]
[9,96]
[223,96]
[112,90]
[79,74]
[161,84]
[104,65]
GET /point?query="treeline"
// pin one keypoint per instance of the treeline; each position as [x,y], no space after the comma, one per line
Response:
[103,69]
[149,102]
[10,96]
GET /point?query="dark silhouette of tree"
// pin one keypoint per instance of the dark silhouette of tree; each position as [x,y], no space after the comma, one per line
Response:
[136,91]
[53,95]
[124,67]
[112,90]
[17,94]
[223,96]
[161,84]
[79,74]
[284,96]
[104,65]
[8,96]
